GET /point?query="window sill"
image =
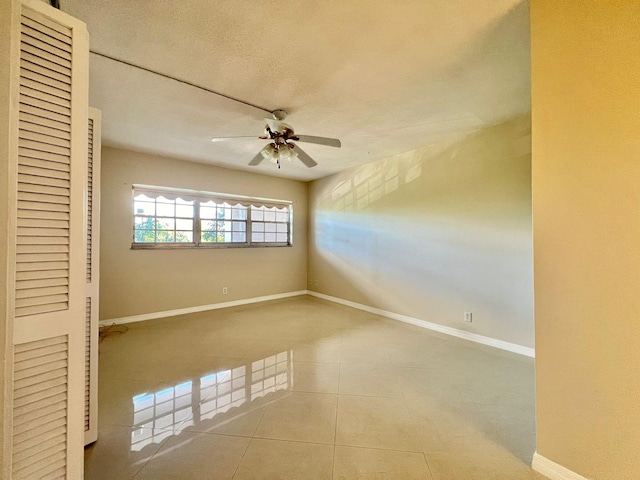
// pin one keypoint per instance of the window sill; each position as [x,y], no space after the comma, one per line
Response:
[192,246]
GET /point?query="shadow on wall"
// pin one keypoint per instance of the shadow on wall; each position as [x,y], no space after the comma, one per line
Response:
[435,232]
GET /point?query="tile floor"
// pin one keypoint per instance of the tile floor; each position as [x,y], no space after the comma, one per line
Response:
[306,389]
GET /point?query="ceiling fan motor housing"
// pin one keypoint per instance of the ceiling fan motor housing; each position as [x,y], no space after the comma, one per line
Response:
[279,114]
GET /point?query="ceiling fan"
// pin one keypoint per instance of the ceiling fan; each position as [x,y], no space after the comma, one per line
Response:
[280,147]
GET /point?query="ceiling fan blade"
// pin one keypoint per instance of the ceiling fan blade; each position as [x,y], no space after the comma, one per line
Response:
[224,139]
[304,158]
[258,158]
[329,142]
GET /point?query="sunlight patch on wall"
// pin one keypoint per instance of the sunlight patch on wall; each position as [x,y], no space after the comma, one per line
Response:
[434,233]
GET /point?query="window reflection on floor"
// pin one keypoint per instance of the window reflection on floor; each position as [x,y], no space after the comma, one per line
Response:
[157,416]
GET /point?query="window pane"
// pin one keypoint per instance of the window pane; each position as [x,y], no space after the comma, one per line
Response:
[144,223]
[257,213]
[184,211]
[166,237]
[207,225]
[282,216]
[208,237]
[227,236]
[239,213]
[182,224]
[226,226]
[239,226]
[165,209]
[270,227]
[207,212]
[257,227]
[144,208]
[145,236]
[281,237]
[281,227]
[166,224]
[184,236]
[239,237]
[269,237]
[270,215]
[257,237]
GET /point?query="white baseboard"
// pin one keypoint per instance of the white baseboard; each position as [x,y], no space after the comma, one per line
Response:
[552,469]
[199,308]
[474,337]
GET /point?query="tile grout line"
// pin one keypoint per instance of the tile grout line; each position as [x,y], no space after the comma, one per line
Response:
[235,471]
[335,428]
[160,447]
[411,416]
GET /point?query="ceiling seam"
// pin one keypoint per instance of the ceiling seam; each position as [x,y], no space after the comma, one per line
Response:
[228,97]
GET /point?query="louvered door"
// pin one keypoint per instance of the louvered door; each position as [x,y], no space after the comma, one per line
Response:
[92,234]
[47,261]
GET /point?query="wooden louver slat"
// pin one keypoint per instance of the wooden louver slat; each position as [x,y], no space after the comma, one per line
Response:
[89,199]
[29,187]
[44,116]
[44,158]
[30,123]
[87,366]
[61,56]
[92,234]
[42,144]
[41,206]
[28,134]
[48,165]
[40,408]
[37,82]
[41,92]
[46,22]
[26,65]
[46,29]
[30,73]
[44,105]
[45,36]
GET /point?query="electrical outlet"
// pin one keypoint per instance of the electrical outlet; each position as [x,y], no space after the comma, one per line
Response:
[468,318]
[224,290]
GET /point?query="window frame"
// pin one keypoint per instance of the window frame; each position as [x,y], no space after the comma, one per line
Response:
[198,197]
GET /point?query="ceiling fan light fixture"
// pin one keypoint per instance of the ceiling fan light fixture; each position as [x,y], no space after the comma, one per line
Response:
[285,152]
[270,153]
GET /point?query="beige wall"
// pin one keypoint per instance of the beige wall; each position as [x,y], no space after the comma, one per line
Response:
[434,233]
[586,205]
[145,281]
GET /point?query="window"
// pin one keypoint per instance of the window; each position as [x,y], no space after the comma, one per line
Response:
[172,218]
[223,222]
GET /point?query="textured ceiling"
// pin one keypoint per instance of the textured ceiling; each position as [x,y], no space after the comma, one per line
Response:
[384,77]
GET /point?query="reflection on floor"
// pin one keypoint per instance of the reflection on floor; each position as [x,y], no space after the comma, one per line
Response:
[302,388]
[157,415]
